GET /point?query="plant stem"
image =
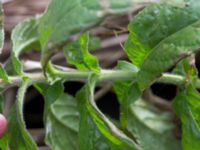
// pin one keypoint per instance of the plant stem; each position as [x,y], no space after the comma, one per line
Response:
[111,75]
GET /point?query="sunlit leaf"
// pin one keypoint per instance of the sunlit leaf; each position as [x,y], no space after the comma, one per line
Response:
[154,24]
[64,18]
[158,39]
[91,117]
[3,74]
[78,54]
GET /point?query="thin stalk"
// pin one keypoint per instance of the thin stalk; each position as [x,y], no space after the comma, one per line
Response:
[109,75]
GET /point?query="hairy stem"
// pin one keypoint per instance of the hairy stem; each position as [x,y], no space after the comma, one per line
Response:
[111,75]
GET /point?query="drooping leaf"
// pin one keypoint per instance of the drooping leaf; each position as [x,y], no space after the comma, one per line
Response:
[91,117]
[24,37]
[151,128]
[187,107]
[64,18]
[1,28]
[18,136]
[62,123]
[78,54]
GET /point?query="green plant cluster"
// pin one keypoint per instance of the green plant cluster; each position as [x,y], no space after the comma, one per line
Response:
[161,36]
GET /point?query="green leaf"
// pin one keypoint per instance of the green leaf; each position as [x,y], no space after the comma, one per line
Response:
[154,24]
[62,123]
[62,120]
[176,47]
[51,94]
[4,143]
[152,128]
[187,107]
[186,69]
[120,87]
[3,74]
[157,39]
[91,118]
[4,139]
[18,136]
[65,18]
[24,37]
[182,67]
[1,28]
[123,89]
[78,54]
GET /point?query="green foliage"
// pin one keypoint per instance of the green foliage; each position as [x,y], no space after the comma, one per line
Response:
[3,74]
[152,128]
[163,37]
[24,37]
[91,116]
[186,105]
[62,122]
[18,136]
[61,20]
[78,54]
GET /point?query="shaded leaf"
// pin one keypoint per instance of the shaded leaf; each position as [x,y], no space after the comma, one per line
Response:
[121,87]
[24,37]
[125,88]
[18,136]
[187,107]
[62,123]
[51,94]
[151,128]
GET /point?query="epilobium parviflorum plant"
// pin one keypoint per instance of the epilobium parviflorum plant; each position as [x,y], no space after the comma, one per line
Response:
[163,39]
